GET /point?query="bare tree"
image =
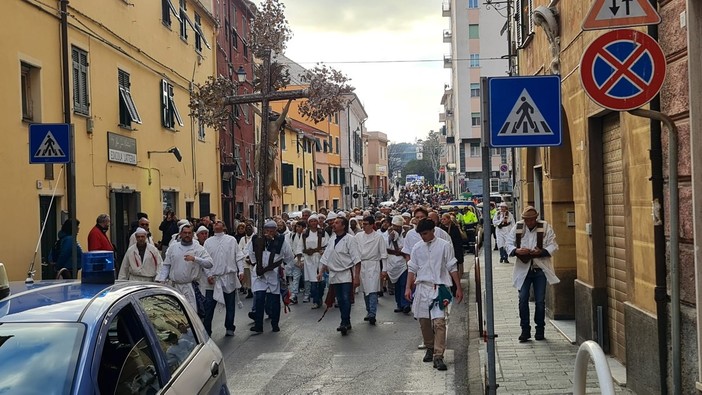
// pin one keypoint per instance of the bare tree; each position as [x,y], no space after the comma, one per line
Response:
[433,152]
[325,95]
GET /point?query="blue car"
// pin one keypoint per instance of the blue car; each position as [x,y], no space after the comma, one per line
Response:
[68,337]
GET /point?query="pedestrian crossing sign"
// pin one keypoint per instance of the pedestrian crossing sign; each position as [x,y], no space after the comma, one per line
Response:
[49,143]
[525,111]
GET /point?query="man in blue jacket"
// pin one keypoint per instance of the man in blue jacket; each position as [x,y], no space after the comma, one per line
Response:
[62,252]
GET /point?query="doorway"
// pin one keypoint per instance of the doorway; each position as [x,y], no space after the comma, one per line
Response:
[539,190]
[124,206]
[48,238]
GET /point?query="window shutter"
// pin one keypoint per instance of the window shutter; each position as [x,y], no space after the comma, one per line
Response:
[342,177]
[287,174]
[166,119]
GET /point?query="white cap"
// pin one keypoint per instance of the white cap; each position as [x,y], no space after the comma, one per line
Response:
[182,222]
[332,215]
[341,214]
[202,229]
[398,220]
[313,217]
[141,231]
[270,224]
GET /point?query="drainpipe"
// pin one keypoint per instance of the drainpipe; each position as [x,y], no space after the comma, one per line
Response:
[660,291]
[660,294]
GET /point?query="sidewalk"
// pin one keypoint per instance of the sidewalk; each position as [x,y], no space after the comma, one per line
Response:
[533,367]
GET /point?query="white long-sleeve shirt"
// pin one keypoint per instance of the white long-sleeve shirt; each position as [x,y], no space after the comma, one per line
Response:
[396,264]
[413,238]
[529,240]
[340,258]
[269,280]
[227,263]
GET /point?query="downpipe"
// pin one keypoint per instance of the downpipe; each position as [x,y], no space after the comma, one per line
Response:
[660,294]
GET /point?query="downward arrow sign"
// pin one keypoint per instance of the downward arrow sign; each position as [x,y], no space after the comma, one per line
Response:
[614,8]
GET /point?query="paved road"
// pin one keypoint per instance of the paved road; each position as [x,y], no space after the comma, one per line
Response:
[310,357]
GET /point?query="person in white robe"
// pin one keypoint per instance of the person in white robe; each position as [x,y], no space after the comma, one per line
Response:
[314,241]
[339,259]
[395,268]
[412,237]
[373,252]
[244,246]
[226,274]
[144,224]
[431,268]
[503,222]
[295,271]
[184,263]
[268,273]
[142,260]
[533,242]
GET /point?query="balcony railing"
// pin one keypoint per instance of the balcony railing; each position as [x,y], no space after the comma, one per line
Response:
[447,36]
[446,9]
[448,61]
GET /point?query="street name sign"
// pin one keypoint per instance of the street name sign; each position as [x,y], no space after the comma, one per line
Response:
[607,14]
[49,143]
[525,111]
[622,69]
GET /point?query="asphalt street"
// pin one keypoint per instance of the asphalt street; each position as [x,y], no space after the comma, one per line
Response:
[310,357]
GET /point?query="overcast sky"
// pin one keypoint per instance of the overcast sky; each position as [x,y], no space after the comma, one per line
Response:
[401,98]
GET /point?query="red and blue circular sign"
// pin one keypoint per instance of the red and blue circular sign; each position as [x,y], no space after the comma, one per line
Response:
[622,69]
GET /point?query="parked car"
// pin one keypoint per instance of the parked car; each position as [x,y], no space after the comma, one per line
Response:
[68,337]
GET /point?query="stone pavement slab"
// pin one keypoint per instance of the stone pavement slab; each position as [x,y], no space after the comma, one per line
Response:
[533,367]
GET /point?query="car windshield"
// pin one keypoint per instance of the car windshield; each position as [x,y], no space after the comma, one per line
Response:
[39,358]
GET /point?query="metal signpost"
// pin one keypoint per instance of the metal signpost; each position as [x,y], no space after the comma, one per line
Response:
[517,112]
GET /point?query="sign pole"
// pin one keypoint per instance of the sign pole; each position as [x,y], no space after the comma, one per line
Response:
[487,239]
[71,165]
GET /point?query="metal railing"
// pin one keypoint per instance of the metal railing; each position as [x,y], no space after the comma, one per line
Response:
[587,350]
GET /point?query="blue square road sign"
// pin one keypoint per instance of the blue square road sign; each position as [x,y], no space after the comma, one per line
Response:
[49,143]
[525,111]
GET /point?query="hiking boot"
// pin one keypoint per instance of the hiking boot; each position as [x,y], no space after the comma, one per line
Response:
[366,318]
[229,333]
[539,333]
[439,364]
[371,320]
[429,355]
[249,294]
[252,315]
[407,309]
[525,336]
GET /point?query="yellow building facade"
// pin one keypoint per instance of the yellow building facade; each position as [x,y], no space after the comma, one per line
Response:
[321,173]
[595,191]
[136,149]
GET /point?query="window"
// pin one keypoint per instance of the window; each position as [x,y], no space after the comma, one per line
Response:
[472,3]
[204,204]
[494,185]
[494,151]
[128,112]
[169,111]
[474,60]
[300,178]
[282,141]
[199,34]
[167,9]
[29,82]
[287,174]
[342,177]
[249,159]
[525,22]
[330,170]
[168,199]
[238,172]
[81,103]
[320,178]
[172,326]
[330,144]
[475,90]
[183,18]
[126,359]
[503,155]
[336,175]
[474,31]
[337,144]
[200,130]
[235,38]
[474,150]
[462,153]
[475,119]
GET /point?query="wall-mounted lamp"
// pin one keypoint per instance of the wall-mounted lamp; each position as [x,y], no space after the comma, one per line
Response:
[174,150]
[241,74]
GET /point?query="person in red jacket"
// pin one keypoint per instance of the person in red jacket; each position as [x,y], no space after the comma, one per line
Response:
[97,238]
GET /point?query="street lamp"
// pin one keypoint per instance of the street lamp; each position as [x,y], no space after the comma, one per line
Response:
[301,144]
[173,150]
[241,74]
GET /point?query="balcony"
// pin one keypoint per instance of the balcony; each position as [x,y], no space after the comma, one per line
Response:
[447,36]
[446,9]
[448,61]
